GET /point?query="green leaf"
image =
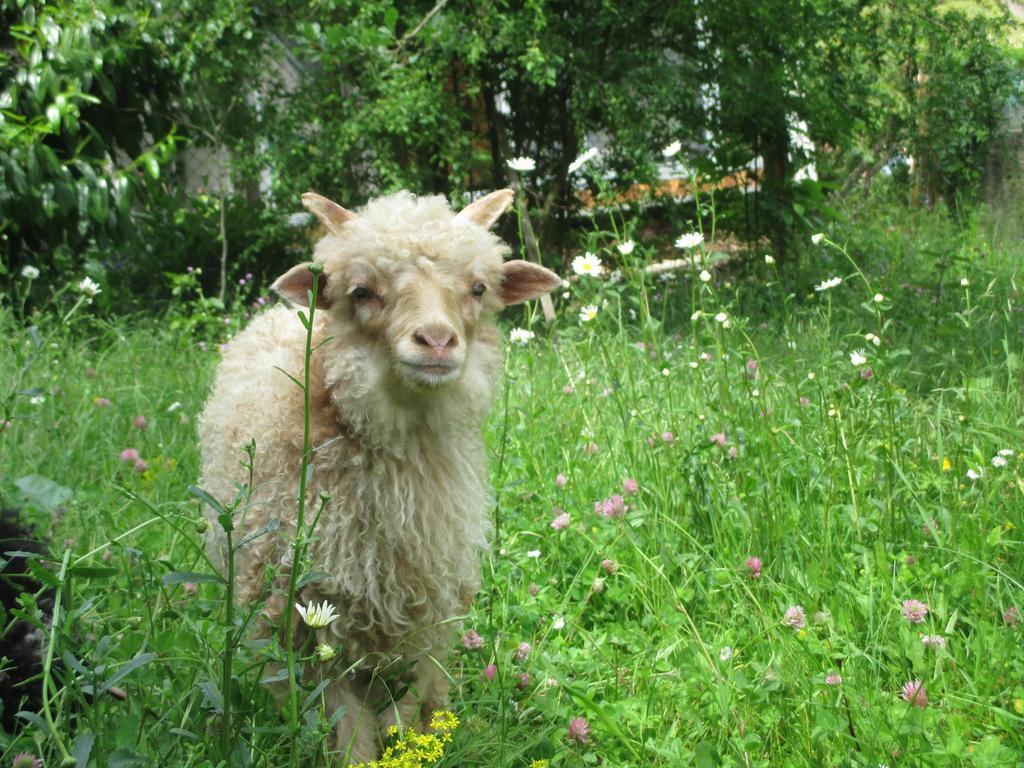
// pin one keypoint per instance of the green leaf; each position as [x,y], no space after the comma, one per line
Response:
[34,719]
[140,660]
[45,493]
[211,696]
[206,497]
[82,748]
[273,525]
[186,577]
[106,87]
[706,757]
[272,729]
[277,677]
[93,571]
[125,758]
[44,575]
[312,697]
[312,577]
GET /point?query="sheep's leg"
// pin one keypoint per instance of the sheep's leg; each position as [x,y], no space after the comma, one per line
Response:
[355,735]
[428,693]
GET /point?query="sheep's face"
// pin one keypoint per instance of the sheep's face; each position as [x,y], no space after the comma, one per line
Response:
[420,312]
[413,283]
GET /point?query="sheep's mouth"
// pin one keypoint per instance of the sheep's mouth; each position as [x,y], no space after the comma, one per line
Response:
[432,373]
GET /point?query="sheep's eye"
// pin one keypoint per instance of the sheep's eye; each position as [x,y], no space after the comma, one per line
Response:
[361,293]
[478,289]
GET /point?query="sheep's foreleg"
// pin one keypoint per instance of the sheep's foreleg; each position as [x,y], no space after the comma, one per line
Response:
[355,735]
[428,693]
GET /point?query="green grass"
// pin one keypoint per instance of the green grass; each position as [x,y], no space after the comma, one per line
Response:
[855,498]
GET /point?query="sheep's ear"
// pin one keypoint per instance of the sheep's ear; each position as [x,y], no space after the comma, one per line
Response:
[297,282]
[331,215]
[487,209]
[522,280]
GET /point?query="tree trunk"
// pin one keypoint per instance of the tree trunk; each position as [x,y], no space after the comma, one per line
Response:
[778,198]
[223,247]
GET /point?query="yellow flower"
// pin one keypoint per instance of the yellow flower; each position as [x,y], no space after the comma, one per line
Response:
[443,720]
[802,633]
[417,750]
[947,465]
[1018,706]
[539,764]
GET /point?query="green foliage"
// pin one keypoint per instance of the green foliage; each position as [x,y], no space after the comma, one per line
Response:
[101,102]
[852,489]
[78,147]
[935,92]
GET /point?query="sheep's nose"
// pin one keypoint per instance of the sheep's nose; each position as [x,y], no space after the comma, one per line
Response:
[436,337]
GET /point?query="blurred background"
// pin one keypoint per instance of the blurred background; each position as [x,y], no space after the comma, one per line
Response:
[146,137]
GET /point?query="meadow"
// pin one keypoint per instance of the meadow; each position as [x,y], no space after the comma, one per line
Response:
[741,519]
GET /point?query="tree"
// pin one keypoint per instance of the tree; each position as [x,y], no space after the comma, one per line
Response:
[77,142]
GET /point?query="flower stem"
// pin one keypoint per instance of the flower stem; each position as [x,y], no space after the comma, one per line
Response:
[299,544]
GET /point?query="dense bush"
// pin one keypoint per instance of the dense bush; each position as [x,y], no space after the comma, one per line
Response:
[100,100]
[79,145]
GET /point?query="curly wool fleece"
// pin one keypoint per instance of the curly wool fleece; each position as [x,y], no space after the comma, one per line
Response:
[401,460]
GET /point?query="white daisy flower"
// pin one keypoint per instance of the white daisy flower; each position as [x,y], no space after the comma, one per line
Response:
[672,149]
[583,159]
[587,264]
[317,616]
[722,317]
[29,272]
[533,553]
[832,282]
[690,240]
[522,164]
[89,287]
[1005,452]
[972,475]
[858,358]
[557,621]
[520,336]
[704,276]
[626,248]
[588,313]
[769,259]
[999,462]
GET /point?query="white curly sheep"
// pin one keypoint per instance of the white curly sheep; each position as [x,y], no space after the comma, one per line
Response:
[405,367]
